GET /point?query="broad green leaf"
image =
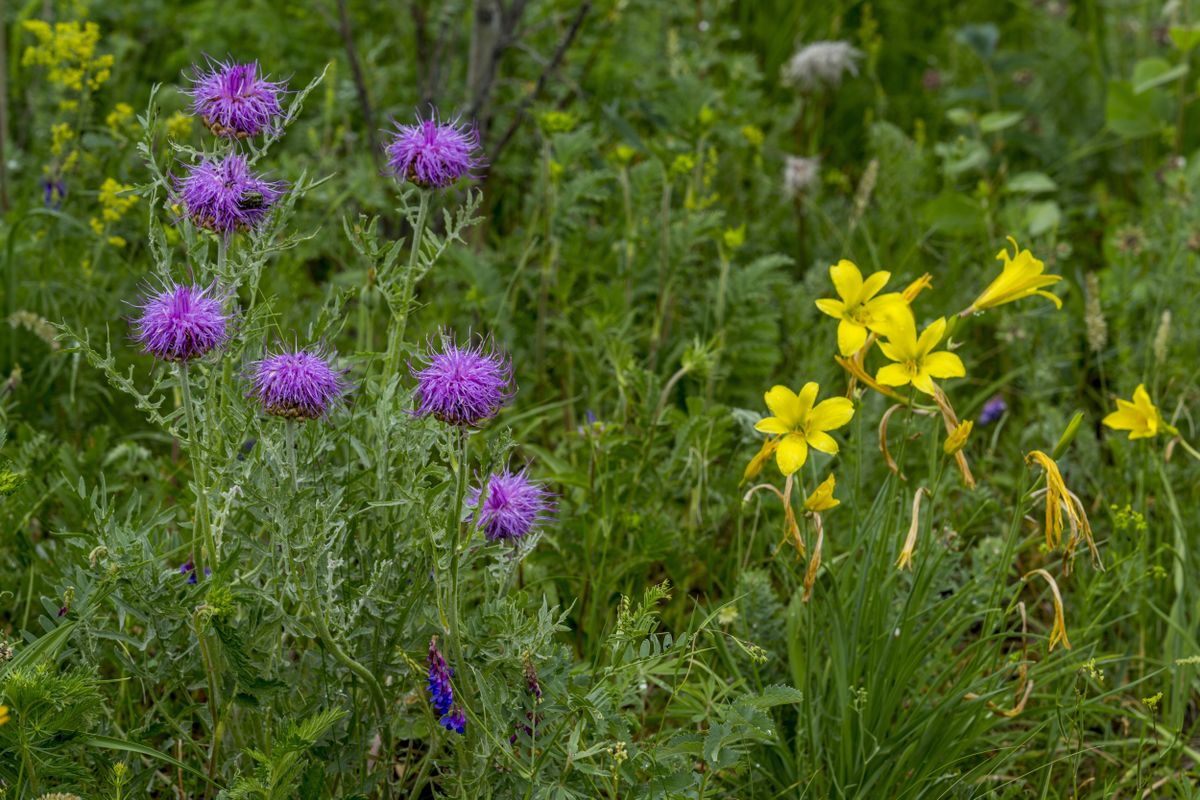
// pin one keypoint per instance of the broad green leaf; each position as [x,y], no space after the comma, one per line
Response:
[1030,183]
[1151,72]
[1185,37]
[953,213]
[1042,217]
[995,121]
[1132,115]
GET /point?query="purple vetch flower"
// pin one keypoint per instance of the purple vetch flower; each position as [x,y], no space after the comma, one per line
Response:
[513,506]
[992,410]
[454,720]
[188,568]
[441,693]
[54,191]
[434,154]
[463,385]
[234,100]
[225,196]
[182,322]
[297,384]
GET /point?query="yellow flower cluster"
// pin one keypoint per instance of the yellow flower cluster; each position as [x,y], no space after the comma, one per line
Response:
[179,126]
[119,118]
[68,51]
[113,206]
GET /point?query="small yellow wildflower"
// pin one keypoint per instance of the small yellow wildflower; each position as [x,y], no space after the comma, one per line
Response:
[119,117]
[822,498]
[861,307]
[916,363]
[179,126]
[113,202]
[116,241]
[1021,277]
[734,238]
[1141,417]
[555,121]
[624,153]
[753,135]
[97,226]
[60,134]
[957,439]
[803,423]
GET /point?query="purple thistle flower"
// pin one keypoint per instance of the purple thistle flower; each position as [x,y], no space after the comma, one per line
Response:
[225,196]
[233,100]
[463,385]
[434,154]
[182,322]
[454,720]
[441,693]
[513,506]
[297,384]
[189,569]
[992,410]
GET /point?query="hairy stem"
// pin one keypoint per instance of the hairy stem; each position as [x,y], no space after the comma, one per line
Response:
[406,297]
[201,529]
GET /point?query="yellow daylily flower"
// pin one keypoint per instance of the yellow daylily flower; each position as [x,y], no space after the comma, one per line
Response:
[861,307]
[760,459]
[957,439]
[1021,277]
[822,498]
[802,423]
[1141,417]
[916,363]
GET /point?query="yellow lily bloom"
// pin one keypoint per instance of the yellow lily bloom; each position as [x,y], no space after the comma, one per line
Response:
[822,498]
[861,307]
[957,439]
[916,363]
[802,423]
[1021,277]
[1141,417]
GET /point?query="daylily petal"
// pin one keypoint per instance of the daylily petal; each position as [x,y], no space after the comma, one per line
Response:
[851,337]
[819,440]
[1141,398]
[1123,419]
[785,405]
[771,425]
[893,351]
[791,454]
[884,310]
[924,382]
[944,364]
[931,336]
[829,415]
[805,400]
[834,308]
[892,375]
[874,285]
[847,280]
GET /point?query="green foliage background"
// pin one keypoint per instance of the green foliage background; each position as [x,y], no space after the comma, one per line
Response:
[636,253]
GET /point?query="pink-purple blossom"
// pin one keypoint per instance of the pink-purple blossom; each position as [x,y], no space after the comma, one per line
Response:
[462,385]
[434,154]
[297,383]
[234,100]
[226,196]
[182,322]
[512,505]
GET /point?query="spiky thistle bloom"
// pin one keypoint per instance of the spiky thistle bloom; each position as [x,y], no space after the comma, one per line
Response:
[226,196]
[512,506]
[297,384]
[821,64]
[462,385]
[234,100]
[434,154]
[182,322]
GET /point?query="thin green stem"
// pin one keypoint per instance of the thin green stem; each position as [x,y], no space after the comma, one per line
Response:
[406,297]
[290,442]
[201,529]
[347,661]
[454,535]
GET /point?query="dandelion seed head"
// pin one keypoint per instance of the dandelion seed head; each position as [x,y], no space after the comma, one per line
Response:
[821,65]
[434,154]
[182,322]
[297,384]
[234,100]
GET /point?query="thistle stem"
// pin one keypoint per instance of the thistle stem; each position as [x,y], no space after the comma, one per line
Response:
[341,655]
[201,530]
[454,534]
[290,442]
[406,297]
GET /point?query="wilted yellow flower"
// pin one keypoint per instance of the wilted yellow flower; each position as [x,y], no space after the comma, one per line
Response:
[916,363]
[860,309]
[916,287]
[822,498]
[801,424]
[957,439]
[914,527]
[1021,277]
[1058,498]
[1141,417]
[1058,632]
[4,715]
[760,459]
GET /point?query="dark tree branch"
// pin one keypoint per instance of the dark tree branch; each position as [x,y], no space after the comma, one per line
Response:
[360,84]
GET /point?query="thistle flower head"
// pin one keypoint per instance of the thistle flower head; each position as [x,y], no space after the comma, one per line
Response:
[234,100]
[441,693]
[821,65]
[182,322]
[226,196]
[298,384]
[512,506]
[434,154]
[462,385]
